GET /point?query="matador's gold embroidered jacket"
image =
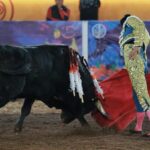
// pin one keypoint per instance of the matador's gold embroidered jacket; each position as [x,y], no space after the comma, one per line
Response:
[134,33]
[138,33]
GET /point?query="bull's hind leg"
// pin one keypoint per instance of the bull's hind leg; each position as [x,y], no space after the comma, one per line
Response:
[25,111]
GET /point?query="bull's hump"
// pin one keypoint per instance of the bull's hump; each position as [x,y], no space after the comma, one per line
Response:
[46,46]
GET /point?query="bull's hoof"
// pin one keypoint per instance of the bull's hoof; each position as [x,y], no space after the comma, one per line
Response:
[66,117]
[17,129]
[83,122]
[86,125]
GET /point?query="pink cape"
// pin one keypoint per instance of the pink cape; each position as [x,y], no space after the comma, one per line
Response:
[118,101]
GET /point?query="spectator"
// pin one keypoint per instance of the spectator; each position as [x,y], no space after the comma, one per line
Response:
[58,11]
[89,9]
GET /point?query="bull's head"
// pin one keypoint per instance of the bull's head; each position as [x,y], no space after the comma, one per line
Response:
[90,98]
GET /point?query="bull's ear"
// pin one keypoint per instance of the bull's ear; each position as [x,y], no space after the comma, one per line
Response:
[14,60]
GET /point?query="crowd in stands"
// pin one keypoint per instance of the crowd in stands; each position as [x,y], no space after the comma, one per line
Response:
[88,10]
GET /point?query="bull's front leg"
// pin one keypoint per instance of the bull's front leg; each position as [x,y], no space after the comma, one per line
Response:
[83,121]
[3,102]
[68,117]
[25,111]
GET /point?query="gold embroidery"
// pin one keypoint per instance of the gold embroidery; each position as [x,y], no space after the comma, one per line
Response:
[136,72]
[136,67]
[139,34]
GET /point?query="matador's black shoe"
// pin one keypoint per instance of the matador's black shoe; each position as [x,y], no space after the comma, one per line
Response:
[147,135]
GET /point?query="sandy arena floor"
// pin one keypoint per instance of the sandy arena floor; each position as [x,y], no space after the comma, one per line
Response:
[43,131]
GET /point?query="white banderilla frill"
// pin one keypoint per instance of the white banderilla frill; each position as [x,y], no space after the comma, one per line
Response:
[76,82]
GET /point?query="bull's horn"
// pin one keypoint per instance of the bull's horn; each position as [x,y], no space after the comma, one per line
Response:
[82,100]
[74,94]
[100,108]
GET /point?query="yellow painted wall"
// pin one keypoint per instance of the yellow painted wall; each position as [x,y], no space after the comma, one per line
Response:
[36,9]
[115,9]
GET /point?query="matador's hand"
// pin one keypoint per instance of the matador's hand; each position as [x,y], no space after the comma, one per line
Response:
[134,52]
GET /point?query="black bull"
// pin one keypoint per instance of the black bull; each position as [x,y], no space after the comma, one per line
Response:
[42,73]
